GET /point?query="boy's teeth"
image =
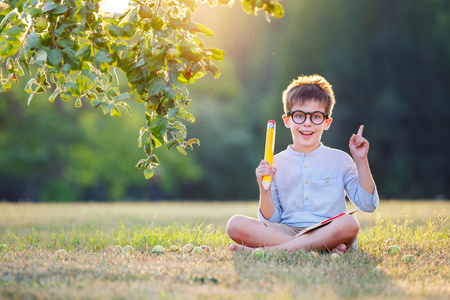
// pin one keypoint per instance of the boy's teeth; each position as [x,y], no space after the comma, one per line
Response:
[308,133]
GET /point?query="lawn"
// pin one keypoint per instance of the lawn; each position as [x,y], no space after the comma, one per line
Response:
[66,251]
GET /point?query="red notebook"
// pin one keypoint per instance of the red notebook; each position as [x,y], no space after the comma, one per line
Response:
[315,226]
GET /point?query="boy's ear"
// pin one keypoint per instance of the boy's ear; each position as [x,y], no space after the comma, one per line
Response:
[328,123]
[286,121]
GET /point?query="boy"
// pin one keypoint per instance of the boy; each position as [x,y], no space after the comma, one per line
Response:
[309,181]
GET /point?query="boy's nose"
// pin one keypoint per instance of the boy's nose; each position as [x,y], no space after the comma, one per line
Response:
[307,120]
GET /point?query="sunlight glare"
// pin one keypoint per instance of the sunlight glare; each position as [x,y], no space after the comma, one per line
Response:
[115,6]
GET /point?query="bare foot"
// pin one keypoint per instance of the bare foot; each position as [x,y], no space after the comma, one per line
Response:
[340,249]
[236,247]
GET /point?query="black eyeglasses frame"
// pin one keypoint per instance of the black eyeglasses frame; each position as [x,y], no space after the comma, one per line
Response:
[291,113]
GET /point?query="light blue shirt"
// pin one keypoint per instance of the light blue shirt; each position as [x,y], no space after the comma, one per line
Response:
[310,188]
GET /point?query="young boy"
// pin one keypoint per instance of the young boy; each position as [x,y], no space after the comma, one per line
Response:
[309,181]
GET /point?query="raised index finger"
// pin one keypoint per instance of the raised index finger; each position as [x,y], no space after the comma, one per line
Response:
[360,130]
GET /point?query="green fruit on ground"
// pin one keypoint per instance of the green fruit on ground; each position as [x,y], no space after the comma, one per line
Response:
[61,253]
[394,250]
[187,248]
[174,249]
[259,253]
[158,249]
[41,23]
[145,12]
[197,250]
[127,250]
[408,258]
[379,270]
[313,254]
[335,256]
[205,248]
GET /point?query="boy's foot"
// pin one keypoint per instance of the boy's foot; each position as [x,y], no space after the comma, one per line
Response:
[340,249]
[236,247]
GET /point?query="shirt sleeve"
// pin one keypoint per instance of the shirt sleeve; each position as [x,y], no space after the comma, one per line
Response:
[364,200]
[276,217]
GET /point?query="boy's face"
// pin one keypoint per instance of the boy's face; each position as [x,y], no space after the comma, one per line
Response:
[307,136]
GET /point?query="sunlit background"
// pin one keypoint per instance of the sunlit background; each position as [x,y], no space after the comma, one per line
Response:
[389,66]
[114,6]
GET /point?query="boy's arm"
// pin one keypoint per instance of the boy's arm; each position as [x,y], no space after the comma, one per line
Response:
[359,147]
[266,204]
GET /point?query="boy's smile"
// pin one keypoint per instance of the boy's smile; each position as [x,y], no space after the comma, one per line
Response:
[306,136]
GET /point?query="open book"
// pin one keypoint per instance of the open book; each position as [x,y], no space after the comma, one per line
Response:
[317,225]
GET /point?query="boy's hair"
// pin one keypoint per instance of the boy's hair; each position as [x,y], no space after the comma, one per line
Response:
[307,88]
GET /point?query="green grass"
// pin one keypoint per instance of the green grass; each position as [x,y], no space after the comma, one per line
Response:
[93,267]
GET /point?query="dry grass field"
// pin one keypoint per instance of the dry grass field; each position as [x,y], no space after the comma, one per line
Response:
[73,251]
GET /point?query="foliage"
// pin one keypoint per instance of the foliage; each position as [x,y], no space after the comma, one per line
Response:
[77,48]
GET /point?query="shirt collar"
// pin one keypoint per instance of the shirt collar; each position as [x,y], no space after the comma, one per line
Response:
[314,152]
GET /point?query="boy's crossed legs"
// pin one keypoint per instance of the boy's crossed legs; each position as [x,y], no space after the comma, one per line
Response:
[250,233]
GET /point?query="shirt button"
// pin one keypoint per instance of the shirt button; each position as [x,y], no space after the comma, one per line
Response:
[306,198]
[306,181]
[305,166]
[327,179]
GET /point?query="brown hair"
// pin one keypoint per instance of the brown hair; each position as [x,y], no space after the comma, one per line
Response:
[307,88]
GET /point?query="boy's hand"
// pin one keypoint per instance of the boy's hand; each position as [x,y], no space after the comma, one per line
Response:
[359,146]
[264,169]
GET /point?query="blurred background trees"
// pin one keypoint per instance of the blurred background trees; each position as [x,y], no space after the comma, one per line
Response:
[389,65]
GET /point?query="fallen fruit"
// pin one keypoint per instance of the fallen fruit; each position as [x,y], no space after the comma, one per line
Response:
[61,253]
[393,250]
[197,250]
[127,250]
[335,256]
[187,248]
[174,249]
[313,254]
[259,253]
[205,248]
[158,249]
[408,258]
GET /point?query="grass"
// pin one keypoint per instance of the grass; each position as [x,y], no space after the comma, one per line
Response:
[32,265]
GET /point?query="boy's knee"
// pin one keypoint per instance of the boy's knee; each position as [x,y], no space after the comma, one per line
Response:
[349,227]
[236,226]
[352,226]
[233,224]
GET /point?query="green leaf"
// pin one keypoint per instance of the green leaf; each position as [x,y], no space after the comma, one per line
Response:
[103,56]
[84,51]
[55,57]
[114,30]
[181,150]
[157,23]
[53,96]
[192,56]
[156,85]
[216,54]
[115,112]
[33,40]
[41,55]
[148,173]
[278,10]
[59,9]
[49,6]
[123,96]
[202,29]
[159,126]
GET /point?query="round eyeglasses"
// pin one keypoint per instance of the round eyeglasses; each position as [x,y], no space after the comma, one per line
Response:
[299,117]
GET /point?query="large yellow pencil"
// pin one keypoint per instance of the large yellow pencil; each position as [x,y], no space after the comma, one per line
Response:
[268,154]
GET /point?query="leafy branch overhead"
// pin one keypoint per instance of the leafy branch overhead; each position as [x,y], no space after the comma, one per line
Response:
[73,48]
